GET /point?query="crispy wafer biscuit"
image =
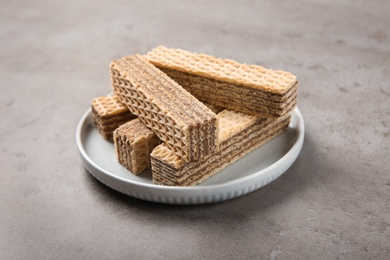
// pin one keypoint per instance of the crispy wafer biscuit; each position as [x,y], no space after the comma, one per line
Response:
[239,134]
[186,125]
[108,113]
[133,144]
[250,89]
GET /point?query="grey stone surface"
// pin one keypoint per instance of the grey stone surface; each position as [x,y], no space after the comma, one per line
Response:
[333,203]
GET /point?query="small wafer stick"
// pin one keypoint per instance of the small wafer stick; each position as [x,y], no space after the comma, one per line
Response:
[133,144]
[108,113]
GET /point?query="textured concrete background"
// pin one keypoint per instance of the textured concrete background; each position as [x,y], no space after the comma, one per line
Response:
[333,203]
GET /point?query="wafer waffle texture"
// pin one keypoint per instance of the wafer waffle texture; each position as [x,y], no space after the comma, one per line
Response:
[239,134]
[109,113]
[133,143]
[246,88]
[186,125]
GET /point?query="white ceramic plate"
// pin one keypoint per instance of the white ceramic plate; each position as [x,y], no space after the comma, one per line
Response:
[248,174]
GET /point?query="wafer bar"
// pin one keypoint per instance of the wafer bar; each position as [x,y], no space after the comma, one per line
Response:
[246,88]
[108,113]
[133,143]
[186,125]
[239,135]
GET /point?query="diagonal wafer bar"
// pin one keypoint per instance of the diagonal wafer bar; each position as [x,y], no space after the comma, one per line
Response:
[186,125]
[133,143]
[108,113]
[246,88]
[239,134]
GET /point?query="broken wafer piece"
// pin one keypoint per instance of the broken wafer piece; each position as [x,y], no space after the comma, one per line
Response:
[108,113]
[246,88]
[133,143]
[239,134]
[186,125]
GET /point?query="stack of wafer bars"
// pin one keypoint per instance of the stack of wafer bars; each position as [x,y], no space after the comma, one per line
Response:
[195,114]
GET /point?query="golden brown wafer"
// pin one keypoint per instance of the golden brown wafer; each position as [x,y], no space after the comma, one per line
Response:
[239,134]
[250,89]
[133,144]
[186,125]
[108,113]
